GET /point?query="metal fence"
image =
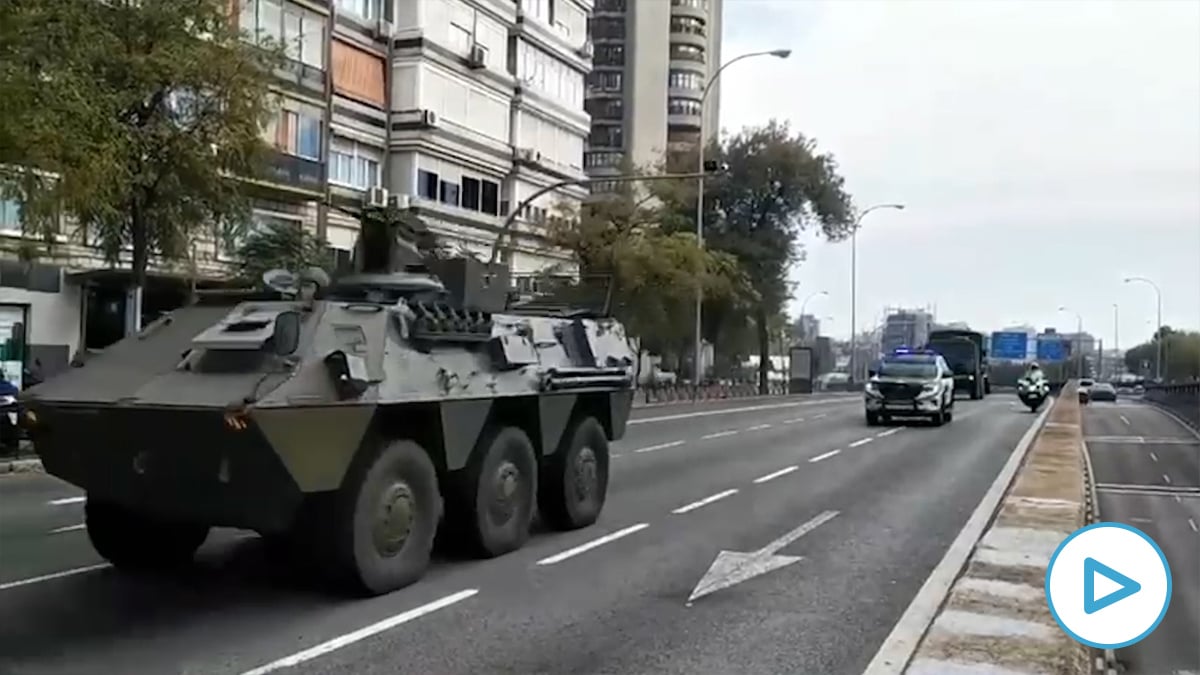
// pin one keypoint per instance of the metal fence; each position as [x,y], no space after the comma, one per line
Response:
[1181,399]
[672,393]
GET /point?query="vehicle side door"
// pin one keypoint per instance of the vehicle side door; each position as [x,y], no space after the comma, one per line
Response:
[946,376]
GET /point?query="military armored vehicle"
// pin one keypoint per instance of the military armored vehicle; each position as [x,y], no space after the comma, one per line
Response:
[349,422]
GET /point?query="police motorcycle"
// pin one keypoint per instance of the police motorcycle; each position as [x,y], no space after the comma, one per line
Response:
[1033,389]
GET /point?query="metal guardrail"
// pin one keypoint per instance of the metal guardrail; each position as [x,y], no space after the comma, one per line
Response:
[672,393]
[1181,399]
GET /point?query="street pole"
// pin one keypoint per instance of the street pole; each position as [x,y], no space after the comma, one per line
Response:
[803,306]
[1117,335]
[697,369]
[1158,329]
[1077,352]
[854,281]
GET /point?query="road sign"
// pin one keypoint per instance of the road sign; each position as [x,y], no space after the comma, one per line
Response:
[1051,349]
[1108,585]
[1007,345]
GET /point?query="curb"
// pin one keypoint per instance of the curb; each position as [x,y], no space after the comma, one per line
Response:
[10,466]
[983,608]
[701,401]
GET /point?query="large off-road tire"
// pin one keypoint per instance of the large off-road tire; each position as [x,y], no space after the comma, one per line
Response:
[574,480]
[872,419]
[938,418]
[130,540]
[381,525]
[492,510]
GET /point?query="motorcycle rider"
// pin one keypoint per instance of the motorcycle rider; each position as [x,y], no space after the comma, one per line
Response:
[1034,374]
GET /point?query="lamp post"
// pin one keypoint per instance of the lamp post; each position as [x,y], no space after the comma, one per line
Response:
[803,305]
[1117,336]
[697,370]
[1158,338]
[1078,339]
[854,280]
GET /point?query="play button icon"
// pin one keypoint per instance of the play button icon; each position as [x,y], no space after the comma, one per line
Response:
[1108,585]
[1125,586]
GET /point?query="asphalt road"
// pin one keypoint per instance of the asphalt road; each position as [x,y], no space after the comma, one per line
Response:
[1147,469]
[868,512]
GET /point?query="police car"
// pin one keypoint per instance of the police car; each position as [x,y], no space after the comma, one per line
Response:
[910,383]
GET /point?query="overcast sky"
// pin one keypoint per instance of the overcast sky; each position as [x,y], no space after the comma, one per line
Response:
[1044,151]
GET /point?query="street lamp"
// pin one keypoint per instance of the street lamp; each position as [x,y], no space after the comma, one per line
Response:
[854,278]
[1116,338]
[803,305]
[1158,338]
[697,371]
[1078,339]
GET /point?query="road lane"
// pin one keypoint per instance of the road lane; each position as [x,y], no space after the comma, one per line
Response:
[236,611]
[1164,454]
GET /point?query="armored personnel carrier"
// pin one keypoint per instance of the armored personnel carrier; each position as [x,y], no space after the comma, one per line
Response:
[348,420]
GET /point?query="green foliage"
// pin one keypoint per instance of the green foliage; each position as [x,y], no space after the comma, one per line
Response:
[653,274]
[281,246]
[138,111]
[1181,358]
[776,186]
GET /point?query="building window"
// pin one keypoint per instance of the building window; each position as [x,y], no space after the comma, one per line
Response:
[363,9]
[609,55]
[606,27]
[10,216]
[605,108]
[448,193]
[549,75]
[610,6]
[599,160]
[542,10]
[685,79]
[353,164]
[302,32]
[607,136]
[683,106]
[687,24]
[687,52]
[296,133]
[696,4]
[602,81]
[490,200]
[427,184]
[259,221]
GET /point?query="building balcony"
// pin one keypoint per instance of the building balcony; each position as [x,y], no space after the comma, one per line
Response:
[683,9]
[678,92]
[290,171]
[683,122]
[679,37]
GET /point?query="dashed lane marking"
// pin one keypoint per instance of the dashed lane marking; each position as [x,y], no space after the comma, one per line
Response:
[861,442]
[362,633]
[759,427]
[706,501]
[68,528]
[67,500]
[889,432]
[719,434]
[583,548]
[1154,456]
[837,400]
[1125,420]
[660,446]
[1167,479]
[794,421]
[1192,524]
[56,575]
[821,416]
[776,474]
[826,455]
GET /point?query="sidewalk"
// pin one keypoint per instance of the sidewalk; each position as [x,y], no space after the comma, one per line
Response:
[991,617]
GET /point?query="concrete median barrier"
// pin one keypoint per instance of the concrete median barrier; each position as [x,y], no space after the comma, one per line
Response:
[992,619]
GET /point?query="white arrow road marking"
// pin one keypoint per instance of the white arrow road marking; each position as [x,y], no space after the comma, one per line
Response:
[583,548]
[706,501]
[660,446]
[361,633]
[731,567]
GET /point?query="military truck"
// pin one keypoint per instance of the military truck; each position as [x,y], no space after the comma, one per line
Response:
[964,351]
[350,421]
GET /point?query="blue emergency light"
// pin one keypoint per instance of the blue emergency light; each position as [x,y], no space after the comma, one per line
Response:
[905,351]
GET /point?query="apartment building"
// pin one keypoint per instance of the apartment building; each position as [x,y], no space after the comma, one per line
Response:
[460,110]
[652,60]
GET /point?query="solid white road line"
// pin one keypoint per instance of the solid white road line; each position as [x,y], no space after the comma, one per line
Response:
[582,548]
[704,502]
[50,577]
[861,441]
[67,500]
[776,474]
[759,427]
[68,528]
[752,408]
[719,434]
[827,455]
[660,446]
[901,643]
[362,633]
[889,432]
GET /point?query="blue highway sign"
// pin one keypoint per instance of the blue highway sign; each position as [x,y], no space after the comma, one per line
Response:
[1051,349]
[1009,346]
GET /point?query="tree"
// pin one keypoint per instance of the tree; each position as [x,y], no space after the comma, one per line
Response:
[281,246]
[131,116]
[651,275]
[1181,355]
[776,185]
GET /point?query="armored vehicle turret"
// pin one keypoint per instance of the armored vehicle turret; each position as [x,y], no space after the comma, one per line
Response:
[349,419]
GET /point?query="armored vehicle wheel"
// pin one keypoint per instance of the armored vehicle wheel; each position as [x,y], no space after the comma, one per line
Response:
[574,481]
[131,540]
[494,509]
[387,515]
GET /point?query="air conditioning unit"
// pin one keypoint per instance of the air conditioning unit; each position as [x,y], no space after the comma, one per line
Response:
[382,29]
[399,201]
[429,118]
[477,56]
[587,51]
[376,196]
[527,155]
